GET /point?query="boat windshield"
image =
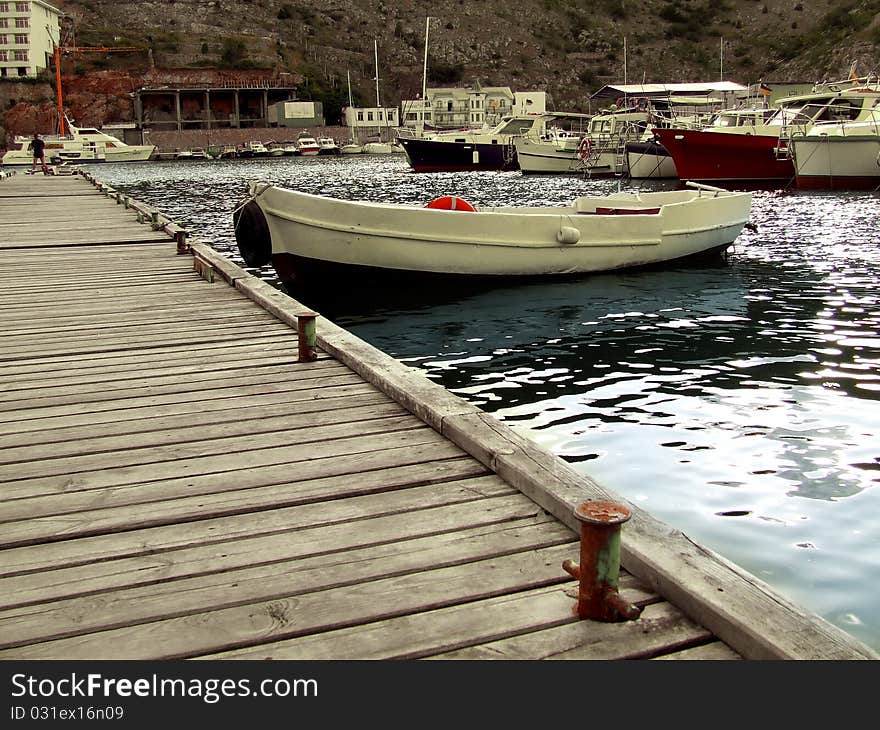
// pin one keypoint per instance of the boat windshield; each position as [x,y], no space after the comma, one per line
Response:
[829,109]
[516,126]
[738,119]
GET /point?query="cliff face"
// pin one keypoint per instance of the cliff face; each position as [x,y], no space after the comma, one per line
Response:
[569,48]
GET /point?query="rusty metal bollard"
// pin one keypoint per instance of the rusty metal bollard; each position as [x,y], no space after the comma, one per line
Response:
[599,566]
[306,331]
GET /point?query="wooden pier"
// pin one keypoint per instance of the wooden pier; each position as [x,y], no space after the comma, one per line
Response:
[175,483]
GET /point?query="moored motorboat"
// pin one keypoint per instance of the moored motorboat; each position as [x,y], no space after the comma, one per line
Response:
[307,145]
[328,146]
[648,159]
[276,149]
[467,150]
[758,154]
[597,152]
[377,148]
[299,231]
[838,155]
[83,144]
[252,149]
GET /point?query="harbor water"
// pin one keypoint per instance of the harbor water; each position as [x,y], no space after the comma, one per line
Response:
[735,400]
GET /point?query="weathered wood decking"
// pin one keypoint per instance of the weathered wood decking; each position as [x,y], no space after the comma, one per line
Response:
[173,483]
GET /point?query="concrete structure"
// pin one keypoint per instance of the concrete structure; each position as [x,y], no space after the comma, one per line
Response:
[28,31]
[470,107]
[207,107]
[296,114]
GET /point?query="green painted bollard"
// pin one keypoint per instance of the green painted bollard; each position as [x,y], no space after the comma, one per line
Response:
[307,333]
[599,566]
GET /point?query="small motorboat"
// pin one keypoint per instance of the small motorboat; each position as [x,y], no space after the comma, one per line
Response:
[298,231]
[328,146]
[307,145]
[276,149]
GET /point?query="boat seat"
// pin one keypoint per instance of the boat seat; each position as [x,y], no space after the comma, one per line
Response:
[620,211]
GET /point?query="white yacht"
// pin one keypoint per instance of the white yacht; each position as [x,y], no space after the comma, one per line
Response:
[83,144]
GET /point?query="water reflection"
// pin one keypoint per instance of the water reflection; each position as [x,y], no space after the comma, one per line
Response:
[736,401]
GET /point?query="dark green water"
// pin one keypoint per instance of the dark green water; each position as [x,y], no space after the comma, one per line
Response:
[736,401]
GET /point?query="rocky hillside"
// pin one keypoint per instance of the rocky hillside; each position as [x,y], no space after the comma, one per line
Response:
[567,47]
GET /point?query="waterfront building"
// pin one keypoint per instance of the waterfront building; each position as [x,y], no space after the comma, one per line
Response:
[368,122]
[28,31]
[470,107]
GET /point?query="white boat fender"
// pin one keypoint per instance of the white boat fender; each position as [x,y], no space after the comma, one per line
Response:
[252,233]
[568,235]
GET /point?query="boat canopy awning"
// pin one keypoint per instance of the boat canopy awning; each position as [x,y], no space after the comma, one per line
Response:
[615,91]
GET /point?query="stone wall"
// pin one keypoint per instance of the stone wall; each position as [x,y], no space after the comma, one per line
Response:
[171,141]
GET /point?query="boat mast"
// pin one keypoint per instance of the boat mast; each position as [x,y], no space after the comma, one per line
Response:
[425,65]
[351,107]
[376,52]
[378,103]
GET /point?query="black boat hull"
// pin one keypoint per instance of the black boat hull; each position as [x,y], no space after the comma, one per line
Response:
[428,155]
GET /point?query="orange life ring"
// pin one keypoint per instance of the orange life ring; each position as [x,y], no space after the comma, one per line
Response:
[584,148]
[451,202]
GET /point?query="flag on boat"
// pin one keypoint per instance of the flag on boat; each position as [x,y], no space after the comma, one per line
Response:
[764,89]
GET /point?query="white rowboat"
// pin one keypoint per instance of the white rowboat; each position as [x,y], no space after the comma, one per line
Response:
[292,229]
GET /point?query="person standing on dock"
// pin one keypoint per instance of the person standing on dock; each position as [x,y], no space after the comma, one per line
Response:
[38,146]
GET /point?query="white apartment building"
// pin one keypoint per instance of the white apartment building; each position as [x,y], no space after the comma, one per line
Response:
[28,30]
[371,121]
[471,107]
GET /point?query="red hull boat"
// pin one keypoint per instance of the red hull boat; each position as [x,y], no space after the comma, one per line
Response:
[724,158]
[759,157]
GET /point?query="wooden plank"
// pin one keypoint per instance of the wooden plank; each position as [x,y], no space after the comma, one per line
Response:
[135,236]
[41,376]
[18,410]
[314,431]
[150,357]
[147,325]
[67,440]
[169,381]
[212,464]
[714,650]
[143,541]
[19,462]
[313,479]
[146,331]
[242,571]
[218,400]
[660,627]
[131,342]
[438,633]
[280,618]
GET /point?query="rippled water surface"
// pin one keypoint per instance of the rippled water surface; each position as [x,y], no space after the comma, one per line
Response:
[736,401]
